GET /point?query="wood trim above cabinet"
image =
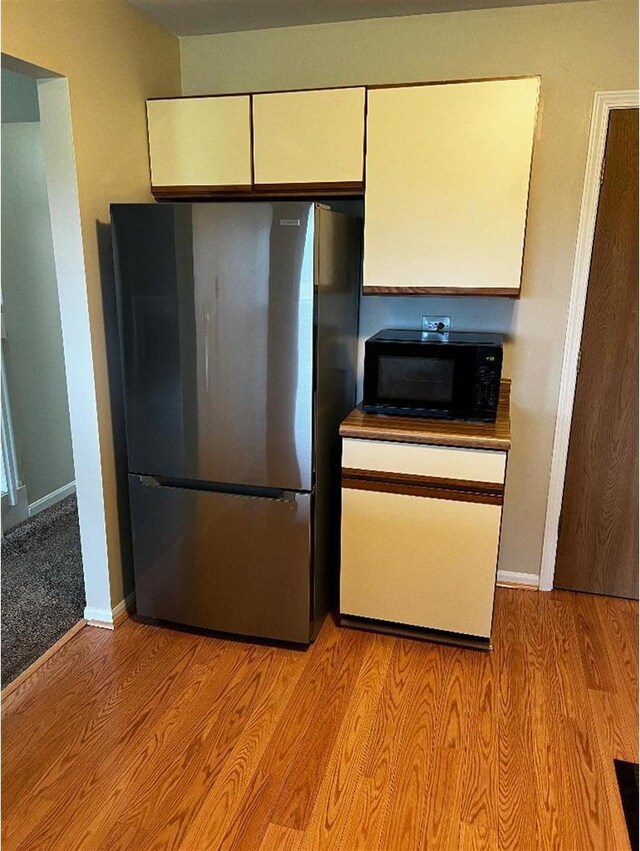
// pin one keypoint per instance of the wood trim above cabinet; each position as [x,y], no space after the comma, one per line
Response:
[508,292]
[453,82]
[366,86]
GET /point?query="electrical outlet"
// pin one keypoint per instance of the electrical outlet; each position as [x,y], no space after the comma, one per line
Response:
[436,323]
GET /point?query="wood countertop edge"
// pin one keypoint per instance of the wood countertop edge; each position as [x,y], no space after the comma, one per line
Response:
[461,442]
[427,432]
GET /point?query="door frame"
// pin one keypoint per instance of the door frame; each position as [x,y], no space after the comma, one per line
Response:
[64,211]
[603,103]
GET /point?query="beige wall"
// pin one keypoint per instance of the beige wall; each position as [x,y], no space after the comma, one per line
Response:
[114,58]
[35,359]
[578,48]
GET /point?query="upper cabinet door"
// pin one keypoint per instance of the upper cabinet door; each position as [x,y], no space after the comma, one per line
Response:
[309,137]
[200,142]
[447,184]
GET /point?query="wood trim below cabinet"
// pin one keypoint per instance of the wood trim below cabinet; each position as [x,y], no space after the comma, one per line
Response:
[352,189]
[496,488]
[415,632]
[507,292]
[260,192]
[428,491]
[188,193]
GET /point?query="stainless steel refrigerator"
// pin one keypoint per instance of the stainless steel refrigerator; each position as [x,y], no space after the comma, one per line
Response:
[238,329]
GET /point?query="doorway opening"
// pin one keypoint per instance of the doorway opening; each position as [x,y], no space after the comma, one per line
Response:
[42,578]
[63,199]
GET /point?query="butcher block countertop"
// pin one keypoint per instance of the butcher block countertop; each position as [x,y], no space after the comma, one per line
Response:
[436,432]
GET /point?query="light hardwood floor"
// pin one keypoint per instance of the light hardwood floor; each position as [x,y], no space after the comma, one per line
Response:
[151,738]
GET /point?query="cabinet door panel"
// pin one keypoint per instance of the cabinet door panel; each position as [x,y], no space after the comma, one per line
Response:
[309,137]
[447,185]
[419,561]
[200,141]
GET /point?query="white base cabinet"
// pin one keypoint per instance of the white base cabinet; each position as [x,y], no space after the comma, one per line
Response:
[420,547]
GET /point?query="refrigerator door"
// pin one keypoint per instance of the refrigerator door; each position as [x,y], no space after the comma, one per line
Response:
[216,310]
[222,561]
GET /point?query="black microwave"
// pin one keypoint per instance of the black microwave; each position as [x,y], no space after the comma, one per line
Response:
[454,375]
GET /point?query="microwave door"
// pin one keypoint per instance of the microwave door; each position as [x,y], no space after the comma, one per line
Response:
[417,381]
[425,379]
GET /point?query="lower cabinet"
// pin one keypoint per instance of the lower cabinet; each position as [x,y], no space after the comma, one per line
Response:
[419,552]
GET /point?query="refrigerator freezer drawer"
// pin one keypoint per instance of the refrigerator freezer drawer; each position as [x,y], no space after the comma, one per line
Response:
[239,564]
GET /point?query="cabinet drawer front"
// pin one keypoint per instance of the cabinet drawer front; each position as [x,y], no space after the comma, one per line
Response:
[437,462]
[422,562]
[309,137]
[200,141]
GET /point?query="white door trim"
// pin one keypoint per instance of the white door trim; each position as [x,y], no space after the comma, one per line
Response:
[603,103]
[64,210]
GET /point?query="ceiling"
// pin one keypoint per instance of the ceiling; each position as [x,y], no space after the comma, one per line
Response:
[203,17]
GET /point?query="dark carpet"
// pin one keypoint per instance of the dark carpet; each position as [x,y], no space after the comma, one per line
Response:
[627,777]
[42,585]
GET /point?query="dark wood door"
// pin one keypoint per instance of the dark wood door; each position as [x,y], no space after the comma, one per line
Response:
[598,540]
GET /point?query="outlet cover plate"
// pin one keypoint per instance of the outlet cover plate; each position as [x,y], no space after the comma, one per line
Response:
[439,324]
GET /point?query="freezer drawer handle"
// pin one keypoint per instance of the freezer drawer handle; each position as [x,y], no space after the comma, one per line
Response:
[219,487]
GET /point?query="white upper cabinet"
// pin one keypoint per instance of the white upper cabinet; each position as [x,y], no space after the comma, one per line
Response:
[447,184]
[200,142]
[309,137]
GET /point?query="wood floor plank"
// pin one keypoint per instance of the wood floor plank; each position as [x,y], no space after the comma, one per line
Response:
[549,768]
[595,661]
[253,816]
[620,627]
[279,838]
[480,773]
[72,780]
[215,813]
[517,800]
[593,829]
[108,658]
[478,837]
[54,670]
[330,813]
[622,653]
[443,799]
[369,809]
[153,738]
[366,817]
[298,795]
[177,773]
[406,814]
[35,770]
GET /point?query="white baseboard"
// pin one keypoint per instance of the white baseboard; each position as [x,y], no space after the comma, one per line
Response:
[51,498]
[14,514]
[509,577]
[108,618]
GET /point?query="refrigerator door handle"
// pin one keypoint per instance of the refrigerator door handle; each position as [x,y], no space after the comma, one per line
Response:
[207,342]
[272,494]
